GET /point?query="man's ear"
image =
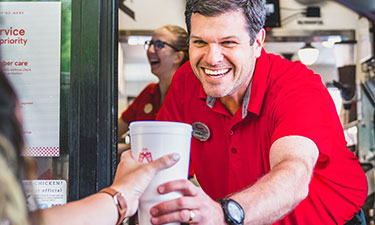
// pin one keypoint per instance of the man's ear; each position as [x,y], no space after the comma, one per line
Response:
[258,43]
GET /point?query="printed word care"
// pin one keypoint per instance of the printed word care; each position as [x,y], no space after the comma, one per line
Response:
[10,63]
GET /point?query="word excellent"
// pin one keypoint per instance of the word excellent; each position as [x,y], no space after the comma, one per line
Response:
[13,37]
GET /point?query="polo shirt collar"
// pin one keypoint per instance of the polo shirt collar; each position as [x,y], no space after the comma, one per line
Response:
[259,84]
[246,100]
[210,101]
[155,90]
[255,90]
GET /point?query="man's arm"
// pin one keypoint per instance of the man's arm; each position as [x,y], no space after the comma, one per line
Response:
[292,160]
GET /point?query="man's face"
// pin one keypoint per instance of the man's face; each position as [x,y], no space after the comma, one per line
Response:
[221,55]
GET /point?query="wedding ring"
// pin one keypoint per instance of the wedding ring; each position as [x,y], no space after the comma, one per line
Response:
[192,215]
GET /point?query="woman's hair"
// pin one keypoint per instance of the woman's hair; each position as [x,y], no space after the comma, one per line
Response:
[13,167]
[181,42]
[253,10]
[12,199]
[10,126]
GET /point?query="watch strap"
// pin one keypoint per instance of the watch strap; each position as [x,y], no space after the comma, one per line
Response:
[119,200]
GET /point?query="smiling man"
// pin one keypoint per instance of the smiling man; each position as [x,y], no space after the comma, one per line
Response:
[267,147]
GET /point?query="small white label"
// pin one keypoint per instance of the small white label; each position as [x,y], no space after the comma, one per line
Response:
[41,194]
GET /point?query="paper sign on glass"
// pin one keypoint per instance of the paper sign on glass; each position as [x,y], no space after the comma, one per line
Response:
[30,57]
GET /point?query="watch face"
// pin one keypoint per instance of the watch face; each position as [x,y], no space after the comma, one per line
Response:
[235,212]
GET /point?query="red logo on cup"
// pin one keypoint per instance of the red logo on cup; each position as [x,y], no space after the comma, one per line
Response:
[145,154]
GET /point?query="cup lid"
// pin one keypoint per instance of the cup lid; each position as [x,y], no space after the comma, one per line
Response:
[142,127]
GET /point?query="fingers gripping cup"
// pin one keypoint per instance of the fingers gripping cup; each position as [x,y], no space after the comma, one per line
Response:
[151,140]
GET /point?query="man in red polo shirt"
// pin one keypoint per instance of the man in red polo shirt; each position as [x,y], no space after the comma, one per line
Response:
[268,147]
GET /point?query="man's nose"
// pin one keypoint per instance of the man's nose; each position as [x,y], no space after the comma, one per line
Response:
[213,54]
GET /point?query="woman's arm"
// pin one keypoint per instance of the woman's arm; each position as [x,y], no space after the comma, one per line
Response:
[131,180]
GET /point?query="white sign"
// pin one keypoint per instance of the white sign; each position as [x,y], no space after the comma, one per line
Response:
[30,57]
[41,194]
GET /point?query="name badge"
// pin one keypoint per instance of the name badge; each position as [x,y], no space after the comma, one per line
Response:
[147,108]
[200,131]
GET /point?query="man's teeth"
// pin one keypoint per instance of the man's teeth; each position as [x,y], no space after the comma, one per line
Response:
[216,72]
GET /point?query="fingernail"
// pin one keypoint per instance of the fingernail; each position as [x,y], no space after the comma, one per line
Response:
[161,189]
[175,157]
[153,211]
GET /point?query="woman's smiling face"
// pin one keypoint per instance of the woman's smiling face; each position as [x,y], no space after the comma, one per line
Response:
[162,59]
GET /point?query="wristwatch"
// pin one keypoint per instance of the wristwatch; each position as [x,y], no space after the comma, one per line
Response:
[119,200]
[233,212]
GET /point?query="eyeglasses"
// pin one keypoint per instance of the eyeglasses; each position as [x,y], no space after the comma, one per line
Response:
[158,45]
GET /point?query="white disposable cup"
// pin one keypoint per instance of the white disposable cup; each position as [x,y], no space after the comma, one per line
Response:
[151,140]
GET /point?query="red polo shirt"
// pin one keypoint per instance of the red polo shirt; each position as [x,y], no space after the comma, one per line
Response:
[286,98]
[145,107]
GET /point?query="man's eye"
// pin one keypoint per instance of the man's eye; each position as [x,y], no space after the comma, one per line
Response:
[229,44]
[199,43]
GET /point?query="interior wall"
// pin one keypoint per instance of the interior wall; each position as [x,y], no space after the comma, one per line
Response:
[136,73]
[151,14]
[333,16]
[325,66]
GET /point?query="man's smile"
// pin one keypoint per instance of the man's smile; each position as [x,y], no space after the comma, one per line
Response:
[216,73]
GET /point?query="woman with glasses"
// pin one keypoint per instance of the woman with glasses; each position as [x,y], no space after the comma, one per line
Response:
[166,52]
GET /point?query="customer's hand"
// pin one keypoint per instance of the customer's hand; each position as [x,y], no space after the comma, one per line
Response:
[133,177]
